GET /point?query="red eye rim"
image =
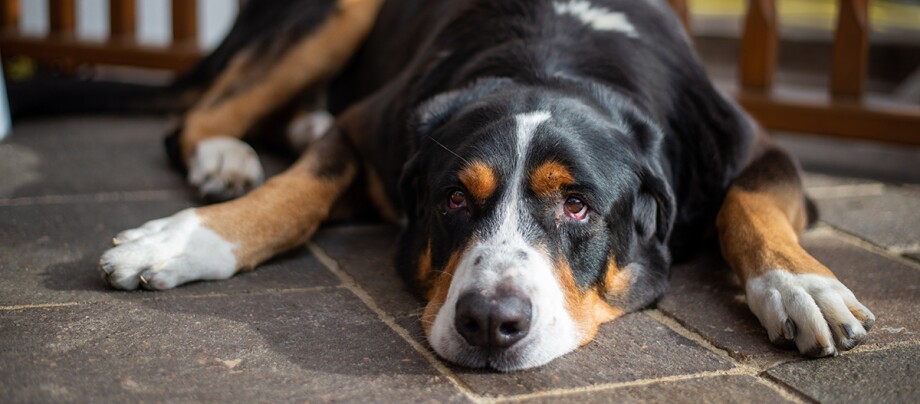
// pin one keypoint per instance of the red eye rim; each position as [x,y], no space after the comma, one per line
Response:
[456,199]
[575,208]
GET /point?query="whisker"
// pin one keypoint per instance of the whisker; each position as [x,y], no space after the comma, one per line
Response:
[448,150]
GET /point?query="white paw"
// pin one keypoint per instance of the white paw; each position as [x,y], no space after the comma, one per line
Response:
[819,314]
[307,128]
[224,168]
[167,252]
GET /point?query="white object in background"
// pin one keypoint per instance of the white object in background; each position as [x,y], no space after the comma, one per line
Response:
[5,123]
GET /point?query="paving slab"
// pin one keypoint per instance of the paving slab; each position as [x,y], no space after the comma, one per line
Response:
[705,297]
[890,220]
[49,253]
[366,253]
[887,376]
[717,389]
[93,154]
[297,346]
[634,347]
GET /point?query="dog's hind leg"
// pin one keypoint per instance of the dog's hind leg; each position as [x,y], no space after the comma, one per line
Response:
[217,241]
[797,299]
[221,165]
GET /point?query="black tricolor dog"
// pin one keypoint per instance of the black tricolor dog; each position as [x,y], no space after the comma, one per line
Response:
[549,157]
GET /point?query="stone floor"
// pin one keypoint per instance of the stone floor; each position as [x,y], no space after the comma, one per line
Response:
[331,322]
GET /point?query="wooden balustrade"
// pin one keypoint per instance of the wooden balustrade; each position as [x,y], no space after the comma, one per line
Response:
[62,47]
[842,111]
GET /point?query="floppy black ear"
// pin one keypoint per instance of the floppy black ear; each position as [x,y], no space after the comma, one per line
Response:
[654,208]
[439,109]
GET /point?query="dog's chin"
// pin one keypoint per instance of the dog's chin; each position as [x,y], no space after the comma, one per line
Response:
[526,354]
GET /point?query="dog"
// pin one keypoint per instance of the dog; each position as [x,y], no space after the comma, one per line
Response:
[548,159]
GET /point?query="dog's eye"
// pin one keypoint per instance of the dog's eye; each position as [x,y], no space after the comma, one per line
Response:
[456,199]
[575,208]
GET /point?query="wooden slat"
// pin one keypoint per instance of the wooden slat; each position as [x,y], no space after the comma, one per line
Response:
[680,8]
[184,21]
[758,46]
[851,50]
[122,19]
[60,49]
[9,14]
[62,16]
[841,119]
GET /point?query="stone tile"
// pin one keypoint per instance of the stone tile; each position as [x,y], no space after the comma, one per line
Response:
[50,254]
[888,376]
[718,389]
[705,298]
[80,155]
[913,255]
[851,158]
[298,346]
[84,155]
[820,180]
[891,220]
[367,254]
[634,347]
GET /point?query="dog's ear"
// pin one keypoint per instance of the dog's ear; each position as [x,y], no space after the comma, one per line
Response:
[440,108]
[654,209]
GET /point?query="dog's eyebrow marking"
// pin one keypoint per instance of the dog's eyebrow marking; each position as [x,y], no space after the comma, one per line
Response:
[479,179]
[548,177]
[599,18]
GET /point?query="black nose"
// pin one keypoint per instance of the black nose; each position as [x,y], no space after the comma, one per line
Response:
[492,322]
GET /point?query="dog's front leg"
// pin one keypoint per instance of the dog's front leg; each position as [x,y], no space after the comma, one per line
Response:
[216,241]
[797,299]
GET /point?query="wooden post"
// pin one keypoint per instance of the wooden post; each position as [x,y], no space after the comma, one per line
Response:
[682,11]
[184,21]
[62,16]
[122,19]
[851,50]
[9,14]
[758,46]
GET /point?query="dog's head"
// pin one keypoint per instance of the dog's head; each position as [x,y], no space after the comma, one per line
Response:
[535,215]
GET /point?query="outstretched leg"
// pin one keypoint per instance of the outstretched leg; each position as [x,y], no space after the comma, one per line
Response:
[797,299]
[221,165]
[215,242]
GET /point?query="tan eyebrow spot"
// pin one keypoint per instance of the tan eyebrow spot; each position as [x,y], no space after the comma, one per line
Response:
[479,179]
[549,177]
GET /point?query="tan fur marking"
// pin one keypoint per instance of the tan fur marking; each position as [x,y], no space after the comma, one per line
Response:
[438,292]
[479,179]
[313,59]
[588,308]
[424,270]
[279,215]
[549,177]
[616,282]
[758,231]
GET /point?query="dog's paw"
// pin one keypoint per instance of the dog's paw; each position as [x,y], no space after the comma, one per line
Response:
[167,252]
[307,128]
[815,313]
[224,168]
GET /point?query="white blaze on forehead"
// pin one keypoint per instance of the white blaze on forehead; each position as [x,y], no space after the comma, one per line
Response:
[599,18]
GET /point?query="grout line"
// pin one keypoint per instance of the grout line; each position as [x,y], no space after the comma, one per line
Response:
[160,296]
[351,284]
[125,196]
[37,306]
[857,241]
[611,386]
[784,390]
[845,191]
[694,336]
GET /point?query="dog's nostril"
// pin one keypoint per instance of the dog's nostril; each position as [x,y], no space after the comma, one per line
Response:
[496,322]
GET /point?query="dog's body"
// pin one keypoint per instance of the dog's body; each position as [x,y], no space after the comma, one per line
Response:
[548,157]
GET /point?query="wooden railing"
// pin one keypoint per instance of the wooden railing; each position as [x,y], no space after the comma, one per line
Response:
[843,111]
[61,46]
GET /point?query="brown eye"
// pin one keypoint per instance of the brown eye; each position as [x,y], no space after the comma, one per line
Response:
[457,199]
[575,208]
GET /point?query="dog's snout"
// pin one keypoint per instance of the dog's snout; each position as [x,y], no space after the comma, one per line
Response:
[495,322]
